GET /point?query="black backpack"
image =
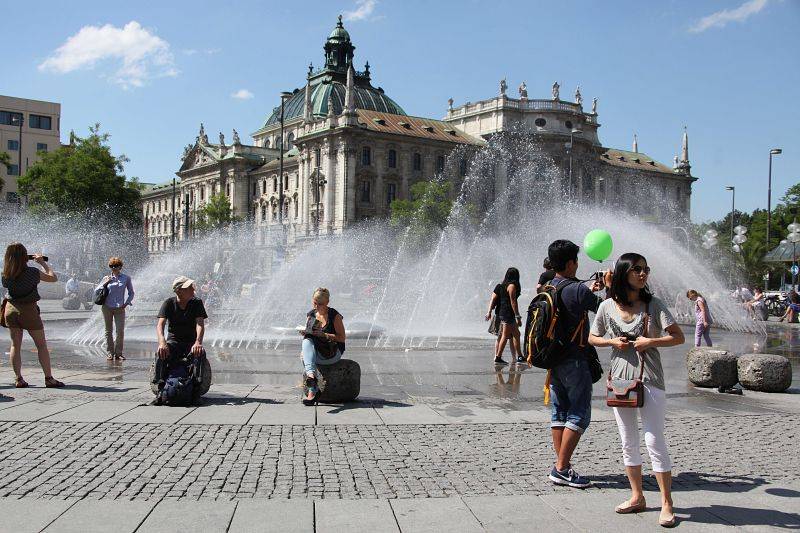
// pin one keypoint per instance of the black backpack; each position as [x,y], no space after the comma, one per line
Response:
[180,387]
[547,334]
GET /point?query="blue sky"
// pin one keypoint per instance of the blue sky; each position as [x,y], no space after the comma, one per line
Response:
[728,70]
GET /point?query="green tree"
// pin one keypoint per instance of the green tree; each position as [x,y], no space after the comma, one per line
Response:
[426,213]
[216,214]
[5,160]
[83,179]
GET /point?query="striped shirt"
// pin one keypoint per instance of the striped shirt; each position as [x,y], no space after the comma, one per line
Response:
[22,289]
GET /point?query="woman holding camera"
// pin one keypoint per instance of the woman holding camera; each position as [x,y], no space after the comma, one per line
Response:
[323,341]
[638,324]
[20,310]
[114,307]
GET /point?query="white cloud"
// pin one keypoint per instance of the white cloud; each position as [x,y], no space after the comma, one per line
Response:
[721,18]
[140,54]
[362,12]
[242,94]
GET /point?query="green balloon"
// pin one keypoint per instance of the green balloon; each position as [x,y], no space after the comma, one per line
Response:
[598,244]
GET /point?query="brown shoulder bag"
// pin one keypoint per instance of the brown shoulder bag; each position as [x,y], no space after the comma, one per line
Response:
[628,392]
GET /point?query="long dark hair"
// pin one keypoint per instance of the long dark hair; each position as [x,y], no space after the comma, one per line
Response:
[512,278]
[15,260]
[619,282]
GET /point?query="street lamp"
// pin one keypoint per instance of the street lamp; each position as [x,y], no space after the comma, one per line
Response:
[572,132]
[794,238]
[733,211]
[284,96]
[774,151]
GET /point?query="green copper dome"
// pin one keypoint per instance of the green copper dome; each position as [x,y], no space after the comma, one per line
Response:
[339,33]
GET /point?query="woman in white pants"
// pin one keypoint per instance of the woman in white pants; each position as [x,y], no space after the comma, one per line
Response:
[631,309]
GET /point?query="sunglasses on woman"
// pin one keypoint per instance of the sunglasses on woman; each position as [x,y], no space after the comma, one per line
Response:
[114,266]
[639,269]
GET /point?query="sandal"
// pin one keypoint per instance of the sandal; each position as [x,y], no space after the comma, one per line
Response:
[627,507]
[20,383]
[667,519]
[53,383]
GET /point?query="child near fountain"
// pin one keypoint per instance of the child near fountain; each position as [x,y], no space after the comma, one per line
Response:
[702,316]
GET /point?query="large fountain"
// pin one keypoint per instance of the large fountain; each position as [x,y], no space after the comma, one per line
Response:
[396,286]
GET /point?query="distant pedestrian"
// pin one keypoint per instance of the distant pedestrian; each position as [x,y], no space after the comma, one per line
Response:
[702,317]
[114,307]
[504,300]
[792,307]
[72,287]
[20,312]
[546,276]
[639,323]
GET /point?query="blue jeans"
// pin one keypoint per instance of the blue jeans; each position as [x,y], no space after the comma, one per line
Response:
[571,395]
[311,357]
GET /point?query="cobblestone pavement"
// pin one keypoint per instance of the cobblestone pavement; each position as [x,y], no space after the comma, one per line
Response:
[162,461]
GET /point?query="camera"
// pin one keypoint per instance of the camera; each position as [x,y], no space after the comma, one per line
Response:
[630,336]
[600,276]
[31,257]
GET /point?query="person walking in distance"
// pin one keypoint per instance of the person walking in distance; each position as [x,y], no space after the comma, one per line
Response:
[504,300]
[571,380]
[114,306]
[702,317]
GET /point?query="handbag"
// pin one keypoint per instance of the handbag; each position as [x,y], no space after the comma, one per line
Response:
[325,348]
[494,325]
[628,392]
[3,313]
[100,295]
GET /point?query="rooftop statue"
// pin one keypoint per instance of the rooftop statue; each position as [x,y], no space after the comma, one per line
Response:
[578,97]
[503,87]
[236,139]
[556,88]
[221,139]
[523,90]
[594,106]
[450,104]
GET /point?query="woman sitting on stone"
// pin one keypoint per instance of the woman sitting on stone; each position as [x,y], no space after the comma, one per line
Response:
[323,341]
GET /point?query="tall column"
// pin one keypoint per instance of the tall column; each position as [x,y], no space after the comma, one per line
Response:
[329,155]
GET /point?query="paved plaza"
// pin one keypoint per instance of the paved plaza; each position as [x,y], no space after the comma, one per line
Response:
[440,440]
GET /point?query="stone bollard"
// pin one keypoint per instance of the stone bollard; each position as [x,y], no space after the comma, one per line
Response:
[339,382]
[711,367]
[204,386]
[765,372]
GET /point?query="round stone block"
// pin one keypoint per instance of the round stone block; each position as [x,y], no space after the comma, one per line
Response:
[339,382]
[70,303]
[765,372]
[711,367]
[204,385]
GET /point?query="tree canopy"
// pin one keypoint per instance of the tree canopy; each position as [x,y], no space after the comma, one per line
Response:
[216,214]
[5,160]
[83,179]
[426,213]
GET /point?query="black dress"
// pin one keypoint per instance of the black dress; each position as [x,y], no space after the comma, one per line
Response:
[504,309]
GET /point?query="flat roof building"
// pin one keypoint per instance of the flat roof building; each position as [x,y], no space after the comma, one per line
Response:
[27,127]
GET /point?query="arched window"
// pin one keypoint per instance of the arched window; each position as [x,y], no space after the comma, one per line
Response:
[286,182]
[296,209]
[417,164]
[266,142]
[290,141]
[392,158]
[365,191]
[440,163]
[366,156]
[263,212]
[274,184]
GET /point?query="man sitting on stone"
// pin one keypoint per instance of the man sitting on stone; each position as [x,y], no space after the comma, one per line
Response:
[184,315]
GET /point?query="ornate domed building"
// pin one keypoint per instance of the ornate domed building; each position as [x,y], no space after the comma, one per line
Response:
[340,150]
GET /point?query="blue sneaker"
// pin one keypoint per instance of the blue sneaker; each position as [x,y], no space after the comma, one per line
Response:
[569,478]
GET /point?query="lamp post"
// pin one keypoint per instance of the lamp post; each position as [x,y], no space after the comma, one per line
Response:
[284,96]
[774,151]
[174,214]
[572,133]
[733,211]
[794,238]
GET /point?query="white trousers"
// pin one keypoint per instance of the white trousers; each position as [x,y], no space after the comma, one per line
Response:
[652,415]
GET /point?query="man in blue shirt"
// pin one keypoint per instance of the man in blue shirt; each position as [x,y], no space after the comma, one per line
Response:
[571,380]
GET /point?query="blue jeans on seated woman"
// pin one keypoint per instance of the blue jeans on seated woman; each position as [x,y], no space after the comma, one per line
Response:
[312,358]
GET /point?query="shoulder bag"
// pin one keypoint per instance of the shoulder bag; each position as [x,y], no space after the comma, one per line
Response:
[628,392]
[100,295]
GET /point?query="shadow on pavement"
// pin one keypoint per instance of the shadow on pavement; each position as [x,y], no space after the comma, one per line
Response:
[689,481]
[99,388]
[740,516]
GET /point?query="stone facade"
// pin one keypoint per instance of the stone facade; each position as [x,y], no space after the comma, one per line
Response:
[349,150]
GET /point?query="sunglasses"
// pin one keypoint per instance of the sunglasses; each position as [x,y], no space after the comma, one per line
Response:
[115,266]
[639,269]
